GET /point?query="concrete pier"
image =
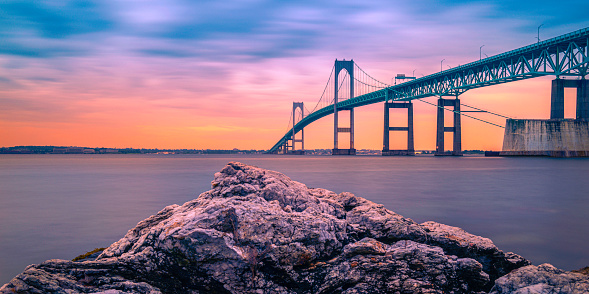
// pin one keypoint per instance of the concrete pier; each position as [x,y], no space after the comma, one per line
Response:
[297,152]
[553,137]
[557,136]
[343,152]
[409,129]
[456,129]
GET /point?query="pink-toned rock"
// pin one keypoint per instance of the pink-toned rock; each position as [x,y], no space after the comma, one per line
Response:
[542,279]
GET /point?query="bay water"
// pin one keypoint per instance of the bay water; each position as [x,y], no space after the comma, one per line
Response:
[60,206]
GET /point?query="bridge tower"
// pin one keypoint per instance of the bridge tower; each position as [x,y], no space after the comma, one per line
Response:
[456,129]
[300,106]
[387,129]
[349,67]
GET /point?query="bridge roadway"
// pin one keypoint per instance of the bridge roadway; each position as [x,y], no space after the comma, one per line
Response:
[565,55]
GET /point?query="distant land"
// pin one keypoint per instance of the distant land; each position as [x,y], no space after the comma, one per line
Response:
[103,150]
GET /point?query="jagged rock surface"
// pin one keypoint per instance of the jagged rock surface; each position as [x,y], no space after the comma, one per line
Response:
[542,279]
[257,231]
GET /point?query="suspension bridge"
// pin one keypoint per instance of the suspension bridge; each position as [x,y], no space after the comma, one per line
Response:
[349,87]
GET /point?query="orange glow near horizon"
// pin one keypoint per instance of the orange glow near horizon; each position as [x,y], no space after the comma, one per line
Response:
[133,123]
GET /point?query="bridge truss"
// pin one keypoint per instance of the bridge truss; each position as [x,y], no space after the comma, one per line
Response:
[565,55]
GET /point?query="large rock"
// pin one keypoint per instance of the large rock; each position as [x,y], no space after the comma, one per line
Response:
[542,279]
[257,231]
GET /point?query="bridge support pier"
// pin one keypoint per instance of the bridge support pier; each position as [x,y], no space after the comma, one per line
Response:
[337,130]
[557,98]
[283,149]
[557,136]
[386,140]
[456,129]
[583,99]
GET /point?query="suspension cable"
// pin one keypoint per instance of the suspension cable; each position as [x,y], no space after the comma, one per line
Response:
[370,75]
[361,82]
[460,113]
[325,89]
[289,120]
[486,111]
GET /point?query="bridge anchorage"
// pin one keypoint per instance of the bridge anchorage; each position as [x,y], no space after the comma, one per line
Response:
[566,57]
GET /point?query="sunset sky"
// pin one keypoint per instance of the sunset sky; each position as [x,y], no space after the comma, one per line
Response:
[224,74]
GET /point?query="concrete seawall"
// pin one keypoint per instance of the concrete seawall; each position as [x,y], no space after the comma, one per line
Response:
[552,137]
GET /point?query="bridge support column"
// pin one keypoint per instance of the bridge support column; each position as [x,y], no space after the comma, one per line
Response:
[284,148]
[583,99]
[337,130]
[456,129]
[457,146]
[349,67]
[557,99]
[386,140]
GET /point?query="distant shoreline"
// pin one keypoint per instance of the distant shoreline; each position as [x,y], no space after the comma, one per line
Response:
[103,150]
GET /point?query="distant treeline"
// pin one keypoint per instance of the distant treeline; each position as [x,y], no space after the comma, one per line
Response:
[88,150]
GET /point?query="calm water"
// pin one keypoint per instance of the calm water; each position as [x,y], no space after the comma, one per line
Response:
[60,206]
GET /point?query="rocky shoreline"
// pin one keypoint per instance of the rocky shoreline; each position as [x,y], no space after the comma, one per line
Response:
[257,231]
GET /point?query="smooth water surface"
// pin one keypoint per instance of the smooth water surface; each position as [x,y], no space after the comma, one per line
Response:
[60,206]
